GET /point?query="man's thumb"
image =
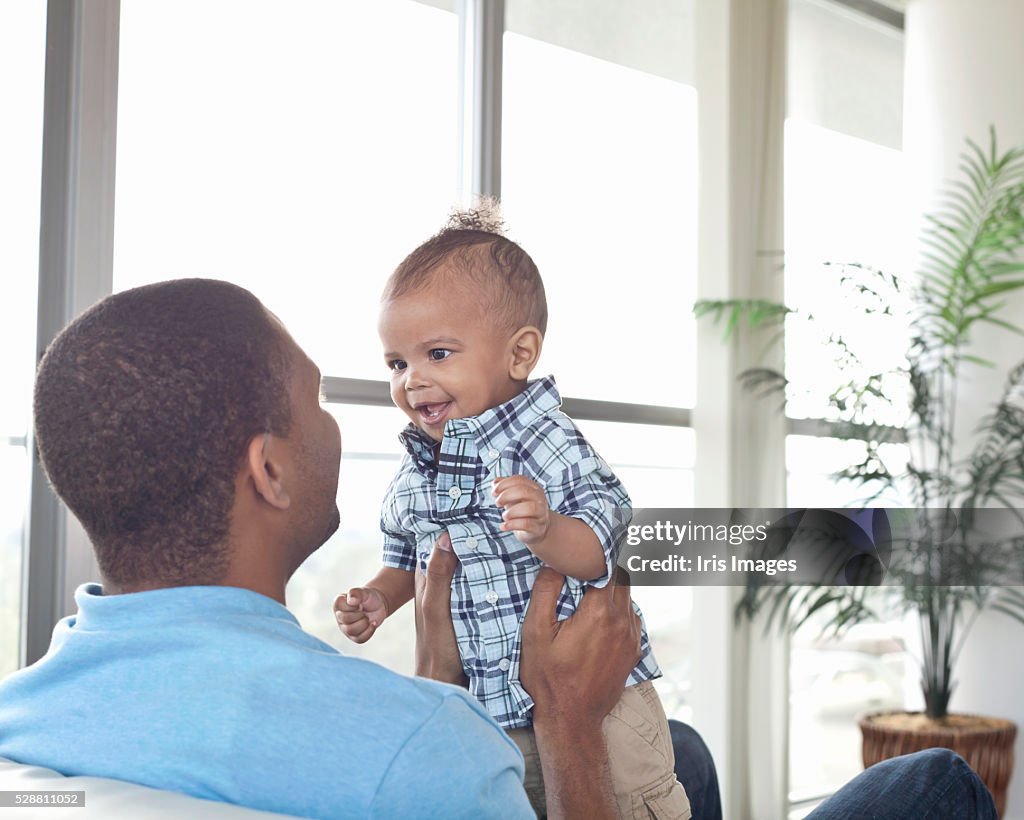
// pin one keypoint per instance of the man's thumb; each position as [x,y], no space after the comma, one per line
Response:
[547,588]
[443,560]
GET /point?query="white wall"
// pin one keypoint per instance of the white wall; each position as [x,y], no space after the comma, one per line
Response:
[964,62]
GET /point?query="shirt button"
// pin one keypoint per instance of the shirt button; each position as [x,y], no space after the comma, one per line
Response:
[492,453]
[504,664]
[471,543]
[454,493]
[491,597]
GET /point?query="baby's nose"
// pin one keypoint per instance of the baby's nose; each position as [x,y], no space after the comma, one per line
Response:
[414,378]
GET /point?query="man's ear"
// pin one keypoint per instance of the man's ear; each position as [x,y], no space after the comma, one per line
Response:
[524,351]
[265,467]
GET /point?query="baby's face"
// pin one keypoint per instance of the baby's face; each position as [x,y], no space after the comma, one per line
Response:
[448,360]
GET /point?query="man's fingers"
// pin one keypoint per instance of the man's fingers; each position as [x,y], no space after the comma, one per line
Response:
[613,598]
[436,585]
[543,599]
[617,603]
[620,578]
[442,562]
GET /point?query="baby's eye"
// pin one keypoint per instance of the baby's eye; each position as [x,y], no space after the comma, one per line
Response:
[439,353]
[396,364]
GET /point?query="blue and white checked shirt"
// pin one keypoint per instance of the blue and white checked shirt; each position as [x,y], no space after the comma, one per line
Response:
[528,436]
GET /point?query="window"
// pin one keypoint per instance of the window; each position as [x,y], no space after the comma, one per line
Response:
[297,154]
[603,196]
[844,203]
[656,466]
[22,47]
[834,680]
[297,151]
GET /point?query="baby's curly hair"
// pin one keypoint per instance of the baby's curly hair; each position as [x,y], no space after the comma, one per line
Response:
[474,249]
[144,407]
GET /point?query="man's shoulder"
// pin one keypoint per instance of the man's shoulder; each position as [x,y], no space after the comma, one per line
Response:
[271,718]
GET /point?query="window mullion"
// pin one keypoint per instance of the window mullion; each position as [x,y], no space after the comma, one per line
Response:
[75,265]
[481,31]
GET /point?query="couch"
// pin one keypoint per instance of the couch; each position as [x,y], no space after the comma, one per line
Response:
[106,798]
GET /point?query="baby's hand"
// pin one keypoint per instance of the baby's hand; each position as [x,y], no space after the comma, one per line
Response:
[360,612]
[526,508]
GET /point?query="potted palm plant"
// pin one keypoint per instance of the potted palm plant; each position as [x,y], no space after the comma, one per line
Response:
[971,262]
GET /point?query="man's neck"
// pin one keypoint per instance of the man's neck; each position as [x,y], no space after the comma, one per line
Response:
[270,587]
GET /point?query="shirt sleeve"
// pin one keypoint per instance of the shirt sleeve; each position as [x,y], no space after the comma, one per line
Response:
[457,744]
[399,544]
[590,491]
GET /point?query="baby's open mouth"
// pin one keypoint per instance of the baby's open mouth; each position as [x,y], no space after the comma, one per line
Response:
[432,412]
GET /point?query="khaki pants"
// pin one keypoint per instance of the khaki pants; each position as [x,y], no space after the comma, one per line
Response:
[640,759]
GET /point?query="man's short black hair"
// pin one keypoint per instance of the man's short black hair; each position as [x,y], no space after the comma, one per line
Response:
[144,406]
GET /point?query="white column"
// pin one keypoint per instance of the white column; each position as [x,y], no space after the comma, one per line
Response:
[740,694]
[964,61]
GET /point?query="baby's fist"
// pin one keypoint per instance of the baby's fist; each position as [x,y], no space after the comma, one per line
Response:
[359,612]
[527,513]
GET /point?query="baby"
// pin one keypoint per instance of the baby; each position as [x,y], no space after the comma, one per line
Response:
[493,461]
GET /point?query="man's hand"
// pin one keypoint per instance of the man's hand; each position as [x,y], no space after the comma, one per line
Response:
[437,653]
[577,668]
[527,513]
[359,612]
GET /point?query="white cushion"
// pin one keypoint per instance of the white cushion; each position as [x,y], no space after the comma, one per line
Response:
[105,798]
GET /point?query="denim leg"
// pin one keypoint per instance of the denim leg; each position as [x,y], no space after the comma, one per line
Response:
[696,771]
[931,785]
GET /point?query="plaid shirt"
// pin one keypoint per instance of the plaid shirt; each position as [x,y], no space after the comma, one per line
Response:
[528,436]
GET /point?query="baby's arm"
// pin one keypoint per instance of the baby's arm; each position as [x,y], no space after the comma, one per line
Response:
[566,544]
[362,609]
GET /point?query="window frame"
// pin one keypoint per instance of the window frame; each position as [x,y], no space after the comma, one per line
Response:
[76,241]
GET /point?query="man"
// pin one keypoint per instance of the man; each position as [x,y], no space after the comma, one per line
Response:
[182,426]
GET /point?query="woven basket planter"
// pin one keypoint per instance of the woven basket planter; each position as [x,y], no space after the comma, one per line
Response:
[985,743]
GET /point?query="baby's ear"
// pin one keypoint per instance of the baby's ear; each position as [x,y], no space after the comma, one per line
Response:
[524,351]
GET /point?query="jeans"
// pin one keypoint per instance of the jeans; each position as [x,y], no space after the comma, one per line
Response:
[935,784]
[696,771]
[931,785]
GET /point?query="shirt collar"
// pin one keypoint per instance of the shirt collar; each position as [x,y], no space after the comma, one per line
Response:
[171,604]
[492,429]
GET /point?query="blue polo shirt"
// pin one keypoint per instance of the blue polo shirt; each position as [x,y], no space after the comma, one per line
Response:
[217,692]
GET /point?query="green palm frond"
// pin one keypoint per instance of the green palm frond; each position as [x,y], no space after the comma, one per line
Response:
[972,242]
[755,312]
[972,261]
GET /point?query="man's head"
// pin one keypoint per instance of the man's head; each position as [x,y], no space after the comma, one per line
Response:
[147,408]
[462,322]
